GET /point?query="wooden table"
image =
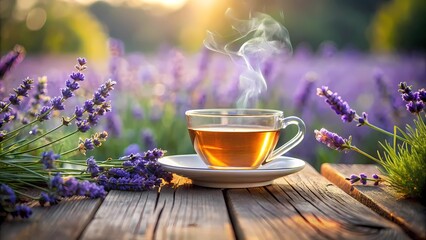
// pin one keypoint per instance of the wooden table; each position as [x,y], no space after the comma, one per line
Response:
[304,205]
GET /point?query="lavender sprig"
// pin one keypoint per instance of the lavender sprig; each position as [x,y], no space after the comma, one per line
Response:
[337,104]
[362,178]
[336,142]
[10,60]
[415,100]
[84,125]
[138,172]
[347,114]
[8,203]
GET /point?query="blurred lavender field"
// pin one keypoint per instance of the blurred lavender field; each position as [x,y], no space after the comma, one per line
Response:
[154,91]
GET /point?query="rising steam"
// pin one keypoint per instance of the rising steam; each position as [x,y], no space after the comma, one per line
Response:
[258,38]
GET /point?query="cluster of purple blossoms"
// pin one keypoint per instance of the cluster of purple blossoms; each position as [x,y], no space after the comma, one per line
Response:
[8,203]
[57,103]
[8,112]
[95,107]
[48,159]
[21,91]
[66,187]
[40,97]
[362,178]
[337,104]
[11,59]
[138,172]
[332,140]
[92,142]
[415,100]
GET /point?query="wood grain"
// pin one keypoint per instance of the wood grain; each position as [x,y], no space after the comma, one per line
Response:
[66,220]
[409,214]
[305,206]
[179,211]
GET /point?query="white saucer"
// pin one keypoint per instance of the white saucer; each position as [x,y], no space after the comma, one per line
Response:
[191,166]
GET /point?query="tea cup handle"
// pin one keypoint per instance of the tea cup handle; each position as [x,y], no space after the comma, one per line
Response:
[301,129]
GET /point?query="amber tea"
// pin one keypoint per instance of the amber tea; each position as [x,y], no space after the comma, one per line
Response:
[234,146]
[240,138]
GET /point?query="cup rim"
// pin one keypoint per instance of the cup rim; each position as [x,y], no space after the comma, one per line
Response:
[248,112]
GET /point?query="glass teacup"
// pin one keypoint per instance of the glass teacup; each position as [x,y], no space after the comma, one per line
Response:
[240,138]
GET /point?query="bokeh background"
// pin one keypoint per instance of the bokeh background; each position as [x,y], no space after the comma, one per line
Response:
[154,50]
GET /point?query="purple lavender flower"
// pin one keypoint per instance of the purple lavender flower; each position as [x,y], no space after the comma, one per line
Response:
[304,93]
[332,140]
[154,154]
[66,93]
[77,76]
[148,139]
[137,112]
[91,190]
[72,85]
[415,106]
[44,113]
[410,96]
[92,167]
[81,61]
[362,120]
[415,100]
[7,194]
[93,119]
[337,104]
[107,87]
[95,191]
[56,182]
[201,102]
[114,124]
[422,95]
[88,144]
[89,106]
[57,103]
[98,99]
[353,178]
[78,113]
[404,88]
[118,172]
[69,187]
[377,179]
[9,116]
[48,159]
[98,138]
[50,198]
[10,60]
[83,126]
[3,105]
[23,89]
[22,211]
[14,99]
[105,107]
[132,149]
[363,178]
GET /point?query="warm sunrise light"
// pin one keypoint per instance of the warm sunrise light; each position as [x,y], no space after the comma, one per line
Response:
[166,4]
[171,4]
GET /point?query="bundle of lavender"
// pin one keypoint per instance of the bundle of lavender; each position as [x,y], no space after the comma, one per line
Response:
[28,134]
[403,160]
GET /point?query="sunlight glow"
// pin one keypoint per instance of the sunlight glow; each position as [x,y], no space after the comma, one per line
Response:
[171,5]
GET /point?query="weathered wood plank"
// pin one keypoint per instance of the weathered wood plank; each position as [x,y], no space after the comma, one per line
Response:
[180,211]
[409,214]
[305,206]
[66,220]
